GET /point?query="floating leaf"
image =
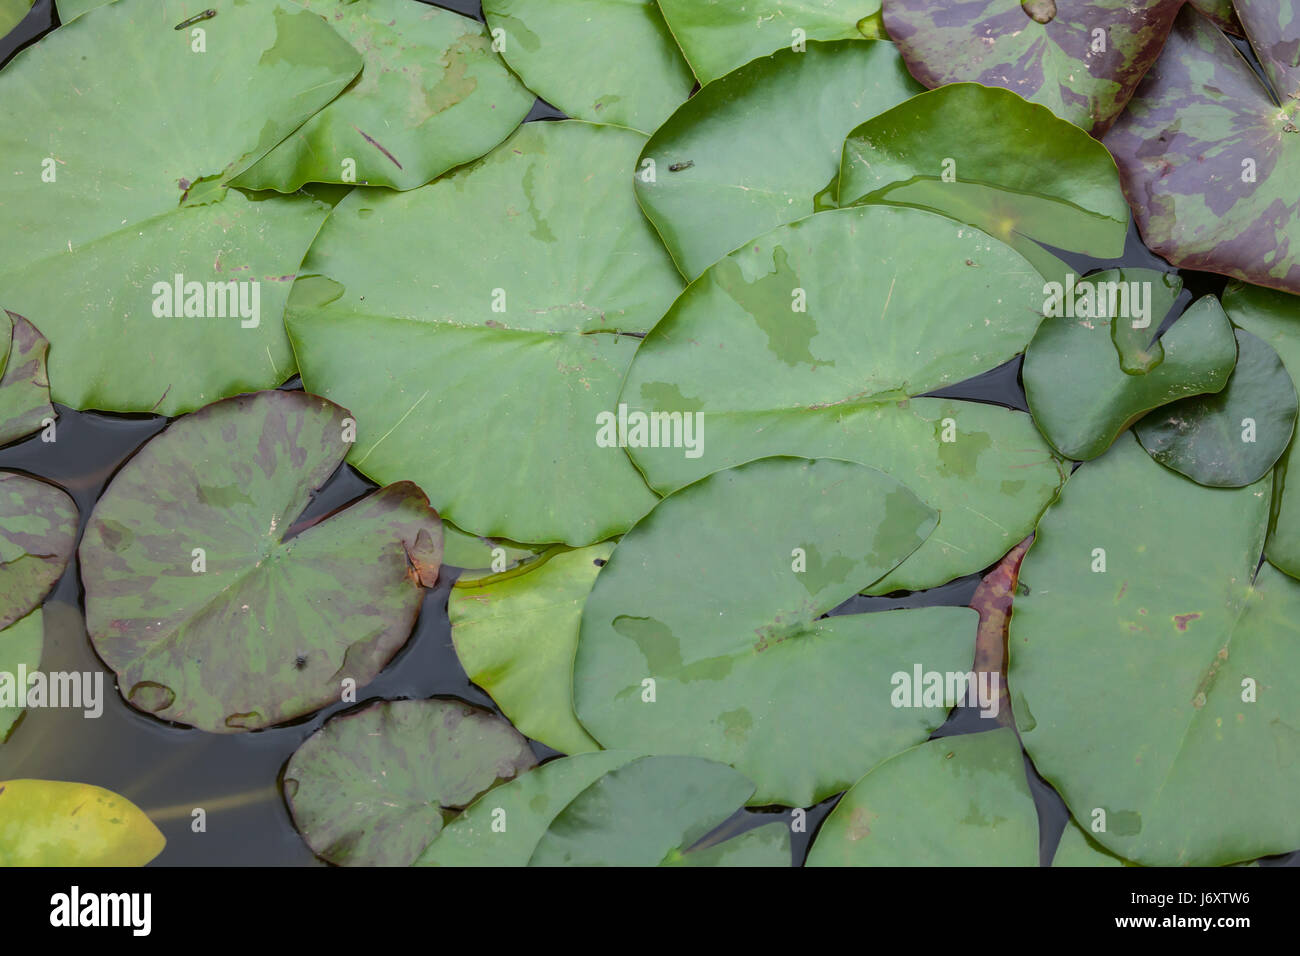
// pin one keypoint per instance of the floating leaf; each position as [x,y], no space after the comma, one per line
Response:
[1081,60]
[1145,662]
[476,355]
[373,787]
[1232,438]
[1075,849]
[651,812]
[898,302]
[605,61]
[479,555]
[753,557]
[53,823]
[1075,380]
[106,207]
[986,157]
[38,527]
[516,639]
[954,801]
[718,36]
[20,647]
[24,387]
[208,609]
[1209,158]
[432,95]
[993,598]
[749,151]
[12,13]
[1221,12]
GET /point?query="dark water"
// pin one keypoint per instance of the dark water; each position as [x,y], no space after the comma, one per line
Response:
[169,770]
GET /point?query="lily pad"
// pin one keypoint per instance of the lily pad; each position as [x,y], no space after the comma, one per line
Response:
[898,302]
[989,158]
[12,13]
[751,150]
[24,387]
[482,557]
[127,191]
[717,36]
[20,646]
[652,812]
[432,96]
[472,327]
[955,801]
[1209,158]
[993,599]
[216,610]
[1075,849]
[1221,12]
[38,527]
[1148,693]
[1232,438]
[1082,60]
[516,639]
[55,823]
[604,61]
[373,787]
[753,557]
[1075,380]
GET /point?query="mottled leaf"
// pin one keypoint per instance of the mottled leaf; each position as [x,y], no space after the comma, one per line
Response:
[1221,12]
[898,303]
[20,646]
[211,606]
[55,823]
[373,787]
[478,354]
[1080,58]
[749,151]
[993,599]
[38,527]
[24,388]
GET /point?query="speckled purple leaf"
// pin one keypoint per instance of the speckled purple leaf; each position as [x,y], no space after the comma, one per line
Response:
[1209,160]
[208,609]
[24,388]
[1080,58]
[38,527]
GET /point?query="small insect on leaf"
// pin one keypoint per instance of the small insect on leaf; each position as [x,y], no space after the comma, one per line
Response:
[197,18]
[678,167]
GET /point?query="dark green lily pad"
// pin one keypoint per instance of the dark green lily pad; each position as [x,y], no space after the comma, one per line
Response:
[208,609]
[106,207]
[987,157]
[1080,58]
[652,812]
[718,36]
[604,61]
[373,787]
[38,527]
[955,801]
[432,96]
[749,151]
[1148,693]
[24,388]
[516,638]
[20,646]
[1075,380]
[56,823]
[1210,159]
[754,556]
[899,302]
[1232,438]
[494,412]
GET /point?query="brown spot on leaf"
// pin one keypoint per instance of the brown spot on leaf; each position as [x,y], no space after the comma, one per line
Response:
[1181,620]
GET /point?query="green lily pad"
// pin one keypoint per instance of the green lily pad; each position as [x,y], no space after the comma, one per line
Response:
[1209,158]
[432,96]
[20,646]
[482,557]
[1082,60]
[955,801]
[899,302]
[127,191]
[208,609]
[987,157]
[753,557]
[652,812]
[1075,849]
[69,10]
[1148,693]
[516,639]
[373,787]
[749,151]
[12,13]
[24,387]
[56,823]
[38,528]
[604,61]
[1232,438]
[494,412]
[717,36]
[1075,381]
